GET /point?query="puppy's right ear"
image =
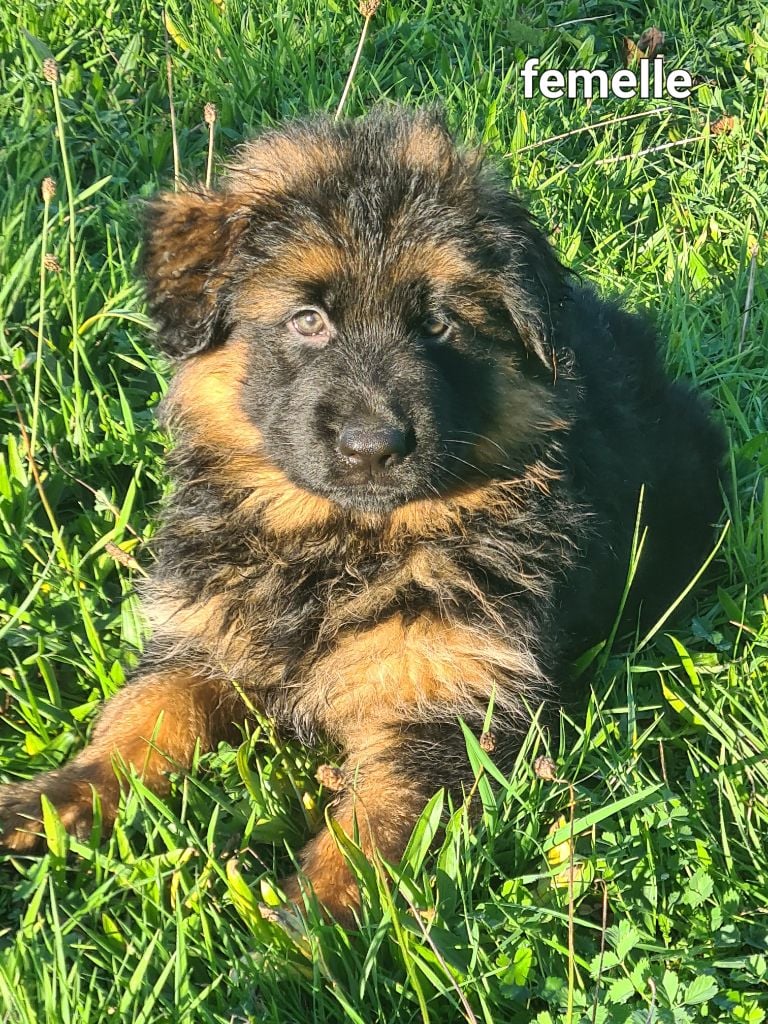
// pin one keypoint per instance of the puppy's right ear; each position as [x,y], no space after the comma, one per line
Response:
[190,248]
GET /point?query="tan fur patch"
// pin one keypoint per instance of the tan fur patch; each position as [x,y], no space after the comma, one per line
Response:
[290,509]
[444,263]
[156,722]
[278,288]
[412,669]
[204,400]
[431,517]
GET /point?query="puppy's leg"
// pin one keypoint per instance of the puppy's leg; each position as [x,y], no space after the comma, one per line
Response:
[388,784]
[153,725]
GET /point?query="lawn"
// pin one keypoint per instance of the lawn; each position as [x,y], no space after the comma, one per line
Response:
[627,880]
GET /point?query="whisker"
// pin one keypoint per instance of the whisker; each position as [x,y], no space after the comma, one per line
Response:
[471,465]
[484,437]
[444,469]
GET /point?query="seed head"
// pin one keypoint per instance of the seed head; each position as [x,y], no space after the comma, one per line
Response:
[488,742]
[48,189]
[331,777]
[545,768]
[51,263]
[121,556]
[209,113]
[50,70]
[368,7]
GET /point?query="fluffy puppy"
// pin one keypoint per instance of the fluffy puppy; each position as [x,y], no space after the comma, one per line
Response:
[409,453]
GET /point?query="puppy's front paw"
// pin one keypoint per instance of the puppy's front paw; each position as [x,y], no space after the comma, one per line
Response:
[71,793]
[327,875]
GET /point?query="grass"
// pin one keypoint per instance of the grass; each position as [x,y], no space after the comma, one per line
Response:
[625,881]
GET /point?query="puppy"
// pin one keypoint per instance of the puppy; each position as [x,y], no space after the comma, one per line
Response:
[409,455]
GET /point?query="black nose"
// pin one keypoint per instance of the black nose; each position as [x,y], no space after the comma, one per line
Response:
[374,447]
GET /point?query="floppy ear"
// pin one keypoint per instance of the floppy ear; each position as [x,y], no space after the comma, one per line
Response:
[190,245]
[534,281]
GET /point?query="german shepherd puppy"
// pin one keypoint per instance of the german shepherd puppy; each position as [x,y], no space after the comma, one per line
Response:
[409,454]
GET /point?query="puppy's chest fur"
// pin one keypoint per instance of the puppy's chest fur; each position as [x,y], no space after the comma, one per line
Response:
[328,628]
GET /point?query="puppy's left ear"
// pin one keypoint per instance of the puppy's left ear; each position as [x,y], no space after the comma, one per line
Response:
[534,281]
[190,247]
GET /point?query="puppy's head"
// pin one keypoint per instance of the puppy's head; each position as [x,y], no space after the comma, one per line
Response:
[383,306]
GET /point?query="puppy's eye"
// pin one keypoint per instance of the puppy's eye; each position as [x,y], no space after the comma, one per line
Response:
[310,323]
[434,327]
